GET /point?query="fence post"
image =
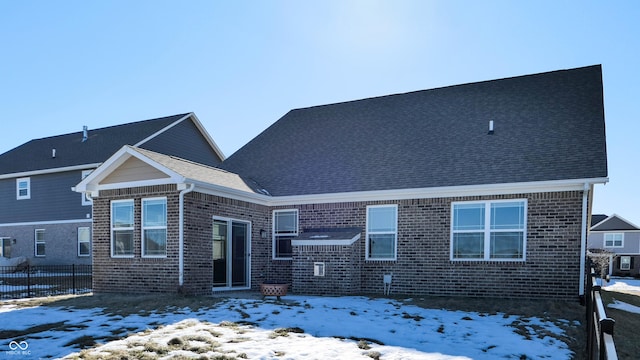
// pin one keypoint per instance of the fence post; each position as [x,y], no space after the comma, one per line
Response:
[28,280]
[73,278]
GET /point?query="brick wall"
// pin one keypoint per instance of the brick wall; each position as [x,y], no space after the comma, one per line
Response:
[423,265]
[199,212]
[137,274]
[343,267]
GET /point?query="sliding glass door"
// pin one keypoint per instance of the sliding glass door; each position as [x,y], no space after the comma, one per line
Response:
[231,253]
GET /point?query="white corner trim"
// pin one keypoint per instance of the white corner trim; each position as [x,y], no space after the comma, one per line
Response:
[50,171]
[343,242]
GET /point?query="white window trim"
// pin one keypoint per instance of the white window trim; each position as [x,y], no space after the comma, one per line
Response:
[28,181]
[395,233]
[89,241]
[144,228]
[36,242]
[613,245]
[628,264]
[487,231]
[273,232]
[112,229]
[86,200]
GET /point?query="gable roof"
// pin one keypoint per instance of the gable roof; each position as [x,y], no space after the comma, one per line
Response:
[597,218]
[614,223]
[71,150]
[547,127]
[132,166]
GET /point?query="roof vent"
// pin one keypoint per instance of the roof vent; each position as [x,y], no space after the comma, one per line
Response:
[85,133]
[490,127]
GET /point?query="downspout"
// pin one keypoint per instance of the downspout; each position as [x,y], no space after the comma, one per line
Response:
[583,237]
[188,189]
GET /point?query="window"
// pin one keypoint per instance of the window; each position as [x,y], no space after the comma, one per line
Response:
[154,227]
[382,232]
[614,240]
[5,247]
[84,241]
[86,200]
[39,242]
[625,262]
[490,230]
[122,228]
[285,227]
[23,188]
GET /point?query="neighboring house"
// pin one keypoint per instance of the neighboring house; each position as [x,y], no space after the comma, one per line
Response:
[42,219]
[479,190]
[619,236]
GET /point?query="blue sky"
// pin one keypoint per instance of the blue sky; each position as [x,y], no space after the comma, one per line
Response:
[241,65]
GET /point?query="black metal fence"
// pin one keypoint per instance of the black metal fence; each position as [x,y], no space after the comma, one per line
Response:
[600,343]
[44,280]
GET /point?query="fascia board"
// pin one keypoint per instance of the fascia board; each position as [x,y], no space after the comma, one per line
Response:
[439,192]
[50,171]
[92,181]
[402,194]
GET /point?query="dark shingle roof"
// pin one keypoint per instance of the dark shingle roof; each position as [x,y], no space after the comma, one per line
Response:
[614,223]
[548,126]
[597,218]
[71,150]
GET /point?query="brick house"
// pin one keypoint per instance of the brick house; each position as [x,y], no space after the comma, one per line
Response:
[481,189]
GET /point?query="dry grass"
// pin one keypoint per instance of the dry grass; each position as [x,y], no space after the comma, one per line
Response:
[625,333]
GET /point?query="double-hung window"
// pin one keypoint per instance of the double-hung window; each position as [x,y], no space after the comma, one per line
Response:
[285,227]
[614,240]
[154,227]
[39,242]
[122,228]
[625,262]
[23,188]
[84,241]
[489,230]
[382,232]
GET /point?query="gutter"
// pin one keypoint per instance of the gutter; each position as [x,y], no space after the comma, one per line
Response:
[185,189]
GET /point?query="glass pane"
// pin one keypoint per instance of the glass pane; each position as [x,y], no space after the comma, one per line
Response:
[84,234]
[381,246]
[468,246]
[40,249]
[122,214]
[220,253]
[83,248]
[382,219]
[239,239]
[155,212]
[507,215]
[123,242]
[468,217]
[39,235]
[155,242]
[286,222]
[507,245]
[283,247]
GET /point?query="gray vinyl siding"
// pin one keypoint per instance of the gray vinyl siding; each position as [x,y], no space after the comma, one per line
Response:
[631,242]
[51,199]
[185,141]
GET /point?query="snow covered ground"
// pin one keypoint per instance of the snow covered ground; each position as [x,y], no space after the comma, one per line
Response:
[625,285]
[298,327]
